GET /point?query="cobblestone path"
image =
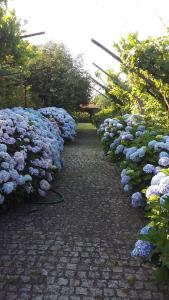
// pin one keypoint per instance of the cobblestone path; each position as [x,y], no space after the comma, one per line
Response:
[79,249]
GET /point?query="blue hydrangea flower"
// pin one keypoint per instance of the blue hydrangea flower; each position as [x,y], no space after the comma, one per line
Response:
[163,199]
[127,188]
[129,151]
[128,128]
[4,176]
[119,126]
[5,165]
[152,144]
[159,146]
[27,178]
[33,171]
[138,155]
[20,180]
[164,161]
[8,187]
[145,229]
[3,147]
[111,134]
[148,168]
[125,179]
[119,149]
[136,199]
[142,248]
[139,133]
[157,170]
[127,136]
[163,154]
[141,128]
[123,172]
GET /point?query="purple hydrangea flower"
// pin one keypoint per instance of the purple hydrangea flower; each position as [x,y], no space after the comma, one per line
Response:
[157,178]
[4,176]
[44,185]
[33,171]
[42,193]
[152,190]
[164,185]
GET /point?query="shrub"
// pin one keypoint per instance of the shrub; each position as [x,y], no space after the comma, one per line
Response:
[30,152]
[143,156]
[82,116]
[100,116]
[60,118]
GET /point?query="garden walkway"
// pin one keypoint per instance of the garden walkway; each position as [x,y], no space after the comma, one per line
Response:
[78,249]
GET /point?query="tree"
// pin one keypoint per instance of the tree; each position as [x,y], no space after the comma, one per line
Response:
[14,58]
[58,79]
[146,65]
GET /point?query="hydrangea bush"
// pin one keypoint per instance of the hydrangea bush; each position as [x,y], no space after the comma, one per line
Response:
[62,120]
[143,156]
[30,152]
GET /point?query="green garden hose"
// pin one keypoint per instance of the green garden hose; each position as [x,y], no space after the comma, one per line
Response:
[54,201]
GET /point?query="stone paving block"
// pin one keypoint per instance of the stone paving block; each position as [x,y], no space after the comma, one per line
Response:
[79,249]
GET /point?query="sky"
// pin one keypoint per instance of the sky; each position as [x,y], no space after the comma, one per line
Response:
[75,22]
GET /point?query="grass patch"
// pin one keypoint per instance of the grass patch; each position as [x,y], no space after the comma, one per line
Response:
[85,126]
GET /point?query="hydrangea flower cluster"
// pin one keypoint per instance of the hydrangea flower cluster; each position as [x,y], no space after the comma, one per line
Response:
[142,249]
[62,120]
[30,152]
[142,155]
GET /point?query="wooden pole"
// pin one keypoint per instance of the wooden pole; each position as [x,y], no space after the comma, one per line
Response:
[31,34]
[25,95]
[113,79]
[125,88]
[107,90]
[148,81]
[101,93]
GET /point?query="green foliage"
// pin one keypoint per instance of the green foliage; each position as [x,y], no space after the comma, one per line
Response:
[142,83]
[59,79]
[15,55]
[145,64]
[159,236]
[156,206]
[35,76]
[102,102]
[82,116]
[100,116]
